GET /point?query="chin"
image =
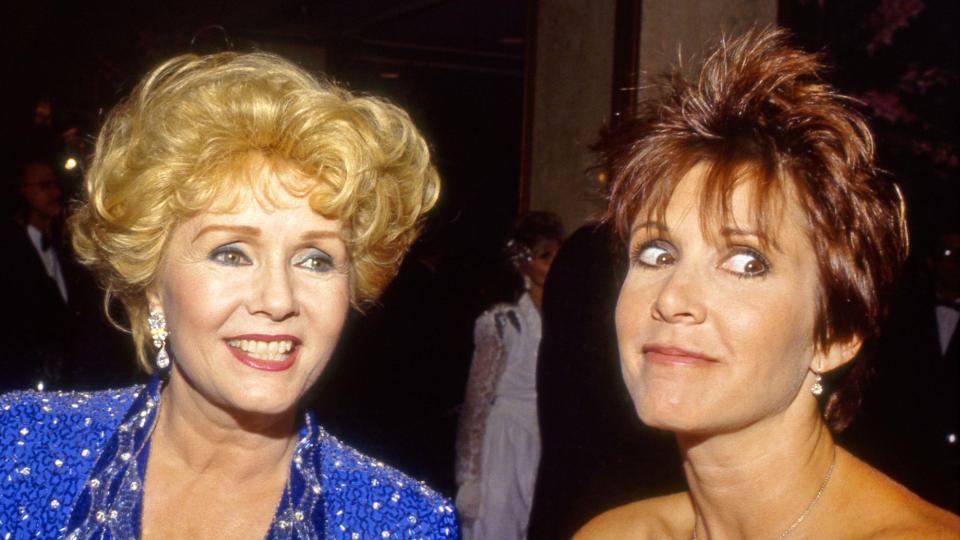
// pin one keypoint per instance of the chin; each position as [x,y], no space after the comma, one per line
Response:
[668,413]
[265,401]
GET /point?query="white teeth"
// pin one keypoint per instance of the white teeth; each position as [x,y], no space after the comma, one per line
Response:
[263,350]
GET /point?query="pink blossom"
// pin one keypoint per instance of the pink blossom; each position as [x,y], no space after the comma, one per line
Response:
[890,16]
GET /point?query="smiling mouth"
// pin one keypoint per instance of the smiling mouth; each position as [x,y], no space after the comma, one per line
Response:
[265,352]
[270,351]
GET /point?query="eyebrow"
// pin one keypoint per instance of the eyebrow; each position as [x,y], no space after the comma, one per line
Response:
[735,231]
[728,231]
[313,235]
[649,225]
[242,229]
[247,230]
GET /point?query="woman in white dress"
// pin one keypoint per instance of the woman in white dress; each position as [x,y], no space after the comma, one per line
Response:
[498,441]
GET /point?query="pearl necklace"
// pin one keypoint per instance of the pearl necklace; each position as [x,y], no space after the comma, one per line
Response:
[803,515]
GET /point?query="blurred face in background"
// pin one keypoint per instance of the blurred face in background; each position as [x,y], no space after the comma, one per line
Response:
[41,192]
[541,259]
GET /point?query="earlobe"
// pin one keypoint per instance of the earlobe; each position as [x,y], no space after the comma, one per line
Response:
[153,299]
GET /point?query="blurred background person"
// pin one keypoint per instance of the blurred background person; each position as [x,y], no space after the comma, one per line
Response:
[498,441]
[39,328]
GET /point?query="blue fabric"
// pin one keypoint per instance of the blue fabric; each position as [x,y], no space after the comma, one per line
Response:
[65,457]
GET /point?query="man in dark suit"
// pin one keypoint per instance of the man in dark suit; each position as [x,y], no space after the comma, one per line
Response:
[52,326]
[36,320]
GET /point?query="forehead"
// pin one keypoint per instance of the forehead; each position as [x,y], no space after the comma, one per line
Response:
[267,184]
[281,211]
[722,200]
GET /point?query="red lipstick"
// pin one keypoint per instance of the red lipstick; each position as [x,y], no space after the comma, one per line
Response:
[245,358]
[666,354]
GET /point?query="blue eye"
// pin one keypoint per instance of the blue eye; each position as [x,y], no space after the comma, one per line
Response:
[229,255]
[316,261]
[655,254]
[746,262]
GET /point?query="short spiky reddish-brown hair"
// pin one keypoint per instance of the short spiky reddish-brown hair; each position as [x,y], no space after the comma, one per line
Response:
[761,110]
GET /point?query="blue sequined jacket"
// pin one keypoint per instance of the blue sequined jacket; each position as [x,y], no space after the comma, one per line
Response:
[71,466]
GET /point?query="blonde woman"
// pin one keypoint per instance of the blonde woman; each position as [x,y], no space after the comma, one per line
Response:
[236,207]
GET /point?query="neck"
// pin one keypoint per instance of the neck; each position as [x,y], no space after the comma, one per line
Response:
[196,435]
[536,296]
[756,482]
[39,222]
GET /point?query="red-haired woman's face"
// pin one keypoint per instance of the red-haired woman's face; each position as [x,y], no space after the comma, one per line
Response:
[716,332]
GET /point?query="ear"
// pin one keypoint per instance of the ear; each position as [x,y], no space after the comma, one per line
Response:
[837,354]
[153,299]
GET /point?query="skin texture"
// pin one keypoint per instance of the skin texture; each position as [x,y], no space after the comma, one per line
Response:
[226,431]
[716,337]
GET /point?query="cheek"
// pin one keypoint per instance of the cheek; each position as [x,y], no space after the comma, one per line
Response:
[196,302]
[774,329]
[630,320]
[327,304]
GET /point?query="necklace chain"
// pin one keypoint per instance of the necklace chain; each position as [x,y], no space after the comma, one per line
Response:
[806,511]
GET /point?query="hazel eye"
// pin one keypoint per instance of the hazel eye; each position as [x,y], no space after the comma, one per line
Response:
[316,261]
[746,262]
[655,254]
[229,255]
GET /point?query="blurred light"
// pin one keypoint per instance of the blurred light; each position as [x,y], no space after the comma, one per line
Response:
[40,386]
[70,164]
[390,75]
[602,179]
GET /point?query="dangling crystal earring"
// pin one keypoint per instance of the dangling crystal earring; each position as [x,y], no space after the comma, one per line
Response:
[817,387]
[158,331]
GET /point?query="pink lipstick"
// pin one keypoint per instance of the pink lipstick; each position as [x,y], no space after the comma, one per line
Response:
[265,352]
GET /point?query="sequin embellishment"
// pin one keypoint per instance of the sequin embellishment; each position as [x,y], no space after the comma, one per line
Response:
[71,465]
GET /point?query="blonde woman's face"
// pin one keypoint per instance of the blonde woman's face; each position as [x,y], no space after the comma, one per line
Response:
[716,334]
[255,301]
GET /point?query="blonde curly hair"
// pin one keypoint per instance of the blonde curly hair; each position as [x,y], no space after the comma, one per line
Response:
[185,139]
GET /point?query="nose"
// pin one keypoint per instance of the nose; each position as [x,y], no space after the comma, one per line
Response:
[680,299]
[275,294]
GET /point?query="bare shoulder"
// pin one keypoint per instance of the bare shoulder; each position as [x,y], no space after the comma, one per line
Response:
[888,510]
[670,516]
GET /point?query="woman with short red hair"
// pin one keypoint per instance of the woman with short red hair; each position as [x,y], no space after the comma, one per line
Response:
[763,246]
